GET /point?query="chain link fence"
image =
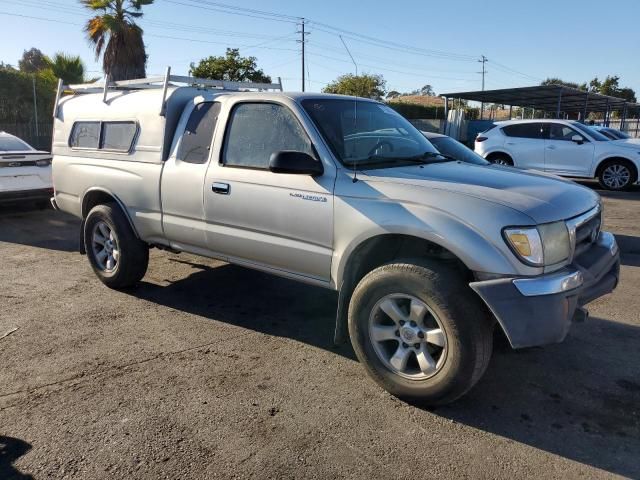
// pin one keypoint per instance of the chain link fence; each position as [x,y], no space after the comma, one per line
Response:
[38,137]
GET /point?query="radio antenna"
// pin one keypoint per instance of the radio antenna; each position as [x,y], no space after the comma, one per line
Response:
[355,107]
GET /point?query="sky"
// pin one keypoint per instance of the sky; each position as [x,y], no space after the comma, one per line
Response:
[410,42]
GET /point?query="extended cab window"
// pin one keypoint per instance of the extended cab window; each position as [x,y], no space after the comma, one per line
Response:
[524,130]
[198,134]
[256,130]
[114,136]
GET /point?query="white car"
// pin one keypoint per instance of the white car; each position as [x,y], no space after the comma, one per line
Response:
[563,147]
[25,173]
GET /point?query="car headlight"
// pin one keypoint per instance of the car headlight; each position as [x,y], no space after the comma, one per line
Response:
[546,244]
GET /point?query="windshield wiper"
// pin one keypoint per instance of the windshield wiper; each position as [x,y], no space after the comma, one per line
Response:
[423,158]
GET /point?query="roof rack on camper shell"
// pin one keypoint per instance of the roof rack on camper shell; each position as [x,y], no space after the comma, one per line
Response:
[160,81]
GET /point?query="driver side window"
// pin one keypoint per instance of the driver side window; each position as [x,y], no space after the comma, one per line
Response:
[257,130]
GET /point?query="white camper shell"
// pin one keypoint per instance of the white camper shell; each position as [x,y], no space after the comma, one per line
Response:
[99,125]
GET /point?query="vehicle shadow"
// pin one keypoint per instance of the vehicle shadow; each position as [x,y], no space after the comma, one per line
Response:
[578,399]
[250,299]
[42,228]
[10,450]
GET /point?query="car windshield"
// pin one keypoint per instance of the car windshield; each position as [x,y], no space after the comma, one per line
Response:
[365,133]
[455,149]
[590,131]
[617,134]
[12,144]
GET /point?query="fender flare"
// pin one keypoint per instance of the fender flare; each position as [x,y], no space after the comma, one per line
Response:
[83,209]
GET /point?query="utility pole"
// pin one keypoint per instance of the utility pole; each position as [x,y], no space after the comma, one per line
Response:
[302,41]
[483,60]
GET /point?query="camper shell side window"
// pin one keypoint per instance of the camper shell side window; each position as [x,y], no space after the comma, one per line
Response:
[111,136]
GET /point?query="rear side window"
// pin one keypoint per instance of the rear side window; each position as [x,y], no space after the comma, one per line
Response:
[9,144]
[198,134]
[113,136]
[256,130]
[117,136]
[524,130]
[85,135]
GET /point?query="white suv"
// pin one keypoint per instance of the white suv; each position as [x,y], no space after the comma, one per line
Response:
[562,147]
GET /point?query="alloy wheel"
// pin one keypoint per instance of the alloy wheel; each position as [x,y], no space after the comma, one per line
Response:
[104,243]
[616,176]
[407,336]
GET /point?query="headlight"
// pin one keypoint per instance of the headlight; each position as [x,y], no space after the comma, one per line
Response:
[546,244]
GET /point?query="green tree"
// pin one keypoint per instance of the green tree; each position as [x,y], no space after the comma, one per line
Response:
[559,81]
[67,67]
[365,85]
[115,34]
[393,94]
[231,67]
[32,61]
[611,86]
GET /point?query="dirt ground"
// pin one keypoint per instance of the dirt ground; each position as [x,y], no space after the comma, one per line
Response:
[211,371]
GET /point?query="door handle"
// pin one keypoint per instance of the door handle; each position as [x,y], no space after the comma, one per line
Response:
[221,188]
[551,147]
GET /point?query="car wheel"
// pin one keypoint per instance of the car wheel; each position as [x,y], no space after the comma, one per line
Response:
[501,160]
[420,332]
[616,175]
[117,257]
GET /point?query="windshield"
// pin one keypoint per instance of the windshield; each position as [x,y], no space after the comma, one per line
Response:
[12,144]
[457,150]
[616,134]
[366,133]
[590,131]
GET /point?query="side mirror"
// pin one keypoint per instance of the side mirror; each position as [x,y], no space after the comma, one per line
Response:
[577,139]
[298,163]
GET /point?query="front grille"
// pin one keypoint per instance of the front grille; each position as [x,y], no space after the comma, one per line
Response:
[587,233]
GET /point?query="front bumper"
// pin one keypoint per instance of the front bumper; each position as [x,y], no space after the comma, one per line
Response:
[538,310]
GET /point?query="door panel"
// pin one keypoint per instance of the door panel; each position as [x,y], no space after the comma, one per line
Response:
[525,141]
[183,177]
[279,221]
[564,156]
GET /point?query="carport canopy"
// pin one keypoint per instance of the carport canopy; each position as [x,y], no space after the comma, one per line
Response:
[558,99]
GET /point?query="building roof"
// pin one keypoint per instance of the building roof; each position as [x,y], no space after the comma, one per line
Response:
[551,98]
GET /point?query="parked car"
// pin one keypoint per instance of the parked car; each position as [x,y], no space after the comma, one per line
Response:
[562,147]
[427,253]
[25,173]
[611,133]
[453,148]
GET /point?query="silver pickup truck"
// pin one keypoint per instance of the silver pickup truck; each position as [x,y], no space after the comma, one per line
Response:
[428,253]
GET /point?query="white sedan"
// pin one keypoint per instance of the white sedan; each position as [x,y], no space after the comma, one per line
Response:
[25,173]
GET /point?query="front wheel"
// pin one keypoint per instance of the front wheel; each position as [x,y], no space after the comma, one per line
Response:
[117,257]
[420,332]
[616,175]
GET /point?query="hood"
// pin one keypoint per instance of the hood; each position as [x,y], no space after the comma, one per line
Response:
[629,143]
[543,197]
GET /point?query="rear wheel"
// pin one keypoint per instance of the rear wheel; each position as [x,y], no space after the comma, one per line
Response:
[420,332]
[616,175]
[117,257]
[500,159]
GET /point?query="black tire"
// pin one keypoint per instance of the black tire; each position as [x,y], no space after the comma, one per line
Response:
[620,166]
[467,326]
[500,159]
[133,257]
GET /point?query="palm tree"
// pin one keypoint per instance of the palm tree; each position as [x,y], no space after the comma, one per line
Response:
[113,31]
[67,67]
